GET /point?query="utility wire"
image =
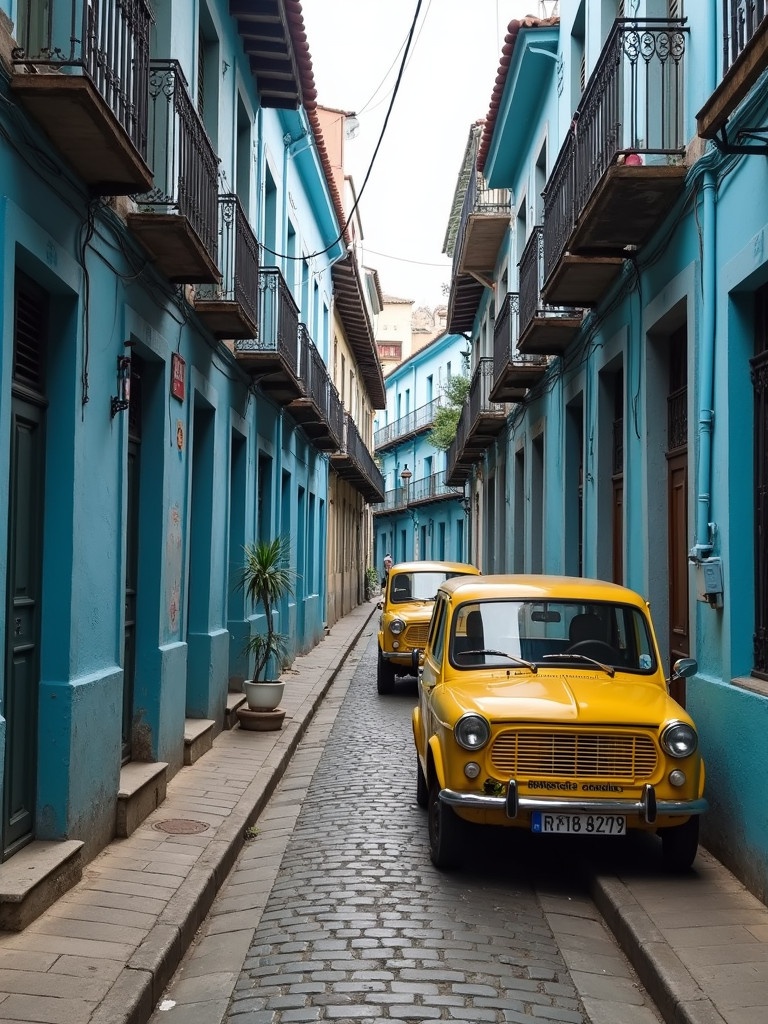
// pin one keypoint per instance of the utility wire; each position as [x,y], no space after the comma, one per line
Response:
[285,256]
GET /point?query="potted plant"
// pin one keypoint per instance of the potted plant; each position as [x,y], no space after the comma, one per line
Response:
[266,578]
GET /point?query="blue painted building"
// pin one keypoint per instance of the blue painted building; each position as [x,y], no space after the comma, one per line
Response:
[175,264]
[610,265]
[421,515]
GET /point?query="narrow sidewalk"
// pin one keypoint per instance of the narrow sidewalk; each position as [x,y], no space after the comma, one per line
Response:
[105,951]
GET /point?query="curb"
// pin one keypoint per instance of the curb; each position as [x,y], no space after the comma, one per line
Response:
[142,981]
[677,995]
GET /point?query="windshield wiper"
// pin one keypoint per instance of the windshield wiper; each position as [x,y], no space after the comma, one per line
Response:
[564,656]
[503,654]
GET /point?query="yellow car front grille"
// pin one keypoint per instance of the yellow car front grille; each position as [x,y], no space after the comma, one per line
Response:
[416,635]
[574,755]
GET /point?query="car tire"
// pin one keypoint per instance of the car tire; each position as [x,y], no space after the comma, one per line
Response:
[680,844]
[422,790]
[444,831]
[385,676]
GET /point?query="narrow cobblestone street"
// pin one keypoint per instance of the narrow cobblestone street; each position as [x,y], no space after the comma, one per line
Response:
[358,925]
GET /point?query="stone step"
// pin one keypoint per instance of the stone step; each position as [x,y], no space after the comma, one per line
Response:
[35,878]
[235,700]
[198,738]
[142,789]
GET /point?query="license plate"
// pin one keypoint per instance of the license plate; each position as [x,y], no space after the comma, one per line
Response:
[579,824]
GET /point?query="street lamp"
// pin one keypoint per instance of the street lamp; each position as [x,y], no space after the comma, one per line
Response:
[405,476]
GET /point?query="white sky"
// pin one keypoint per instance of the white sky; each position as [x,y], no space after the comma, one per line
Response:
[356,48]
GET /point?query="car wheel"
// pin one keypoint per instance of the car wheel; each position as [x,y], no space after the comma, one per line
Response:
[385,676]
[422,790]
[680,844]
[444,831]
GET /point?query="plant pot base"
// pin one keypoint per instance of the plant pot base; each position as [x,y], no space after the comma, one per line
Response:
[260,721]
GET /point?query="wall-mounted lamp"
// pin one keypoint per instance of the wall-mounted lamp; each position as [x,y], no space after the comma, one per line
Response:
[122,399]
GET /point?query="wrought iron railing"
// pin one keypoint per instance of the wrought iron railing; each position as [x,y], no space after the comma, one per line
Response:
[420,419]
[108,40]
[278,320]
[479,390]
[506,332]
[356,449]
[478,199]
[181,156]
[531,280]
[677,419]
[633,104]
[335,411]
[419,492]
[741,20]
[238,259]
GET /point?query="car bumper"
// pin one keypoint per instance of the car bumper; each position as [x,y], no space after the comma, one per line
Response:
[513,805]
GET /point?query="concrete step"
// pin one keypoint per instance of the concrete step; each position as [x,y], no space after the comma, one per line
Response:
[37,876]
[142,789]
[198,738]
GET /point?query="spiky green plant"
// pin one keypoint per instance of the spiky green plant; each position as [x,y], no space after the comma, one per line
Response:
[266,578]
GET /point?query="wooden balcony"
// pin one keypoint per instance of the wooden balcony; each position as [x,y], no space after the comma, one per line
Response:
[230,310]
[82,74]
[745,58]
[459,459]
[621,167]
[272,357]
[544,329]
[487,418]
[178,220]
[513,372]
[319,409]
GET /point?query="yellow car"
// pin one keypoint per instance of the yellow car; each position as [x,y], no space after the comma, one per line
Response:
[543,706]
[409,593]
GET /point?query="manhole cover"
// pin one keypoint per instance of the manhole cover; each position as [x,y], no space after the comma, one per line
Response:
[180,826]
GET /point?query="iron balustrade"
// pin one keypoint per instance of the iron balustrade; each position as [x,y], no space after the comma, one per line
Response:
[355,448]
[506,333]
[181,155]
[313,372]
[633,104]
[107,40]
[239,260]
[741,20]
[413,422]
[419,492]
[478,199]
[278,320]
[479,390]
[335,412]
[531,279]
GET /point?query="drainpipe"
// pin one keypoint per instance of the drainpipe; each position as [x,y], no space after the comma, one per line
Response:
[705,530]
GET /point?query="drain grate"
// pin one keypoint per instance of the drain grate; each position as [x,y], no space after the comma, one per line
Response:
[180,826]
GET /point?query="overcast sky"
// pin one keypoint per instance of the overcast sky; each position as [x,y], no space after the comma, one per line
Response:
[357,48]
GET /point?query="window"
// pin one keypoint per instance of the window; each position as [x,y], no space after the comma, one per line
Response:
[390,351]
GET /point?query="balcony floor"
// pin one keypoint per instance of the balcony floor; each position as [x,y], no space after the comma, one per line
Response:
[626,207]
[175,247]
[75,117]
[549,334]
[581,280]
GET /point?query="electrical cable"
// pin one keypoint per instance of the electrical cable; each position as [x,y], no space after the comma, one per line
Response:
[285,256]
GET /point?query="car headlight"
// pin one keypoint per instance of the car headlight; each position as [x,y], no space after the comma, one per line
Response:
[472,732]
[396,626]
[679,739]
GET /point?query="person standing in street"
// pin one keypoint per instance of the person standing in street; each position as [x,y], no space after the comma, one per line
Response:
[387,567]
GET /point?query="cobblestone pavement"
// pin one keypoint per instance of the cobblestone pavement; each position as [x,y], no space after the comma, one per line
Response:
[355,923]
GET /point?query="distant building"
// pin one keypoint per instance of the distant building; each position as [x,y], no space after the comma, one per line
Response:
[402,330]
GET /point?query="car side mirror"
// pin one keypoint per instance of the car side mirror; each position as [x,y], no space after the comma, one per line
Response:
[685,667]
[381,604]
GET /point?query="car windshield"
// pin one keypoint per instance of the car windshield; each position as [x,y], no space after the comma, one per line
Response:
[417,586]
[508,634]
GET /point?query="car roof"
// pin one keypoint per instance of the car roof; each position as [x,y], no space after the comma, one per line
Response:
[432,566]
[540,587]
